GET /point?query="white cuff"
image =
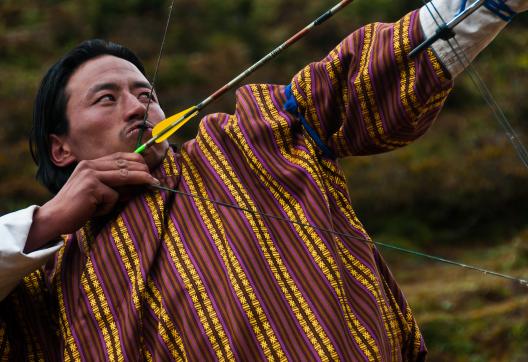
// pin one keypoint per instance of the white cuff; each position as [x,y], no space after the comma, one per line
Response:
[473,34]
[14,263]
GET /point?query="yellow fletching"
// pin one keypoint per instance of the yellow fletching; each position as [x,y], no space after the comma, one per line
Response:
[170,125]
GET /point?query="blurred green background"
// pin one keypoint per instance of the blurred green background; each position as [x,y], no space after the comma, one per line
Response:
[459,192]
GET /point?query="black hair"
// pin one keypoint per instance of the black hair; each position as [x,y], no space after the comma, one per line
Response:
[49,110]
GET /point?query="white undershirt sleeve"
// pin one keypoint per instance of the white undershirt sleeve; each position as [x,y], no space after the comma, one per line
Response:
[14,263]
[473,34]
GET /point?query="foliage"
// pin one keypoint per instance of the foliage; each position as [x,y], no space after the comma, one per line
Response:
[460,184]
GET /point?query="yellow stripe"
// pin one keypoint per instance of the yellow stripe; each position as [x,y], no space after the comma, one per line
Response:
[257,319]
[436,102]
[189,275]
[123,244]
[439,70]
[166,330]
[310,107]
[407,72]
[408,321]
[70,346]
[169,164]
[396,309]
[147,356]
[337,82]
[341,145]
[363,75]
[334,62]
[417,334]
[100,309]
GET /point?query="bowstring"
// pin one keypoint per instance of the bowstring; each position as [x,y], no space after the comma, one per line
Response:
[154,77]
[522,282]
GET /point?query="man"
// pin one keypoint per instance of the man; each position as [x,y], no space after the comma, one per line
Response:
[163,276]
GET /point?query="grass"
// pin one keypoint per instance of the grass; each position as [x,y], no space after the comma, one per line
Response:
[466,315]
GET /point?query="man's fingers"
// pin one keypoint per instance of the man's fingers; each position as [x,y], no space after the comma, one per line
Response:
[116,170]
[124,176]
[120,160]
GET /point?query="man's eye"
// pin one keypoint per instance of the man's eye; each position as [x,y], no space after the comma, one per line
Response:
[144,96]
[104,98]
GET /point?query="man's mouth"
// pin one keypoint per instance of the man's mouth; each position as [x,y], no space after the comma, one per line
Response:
[145,126]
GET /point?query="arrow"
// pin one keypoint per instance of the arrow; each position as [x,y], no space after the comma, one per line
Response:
[167,127]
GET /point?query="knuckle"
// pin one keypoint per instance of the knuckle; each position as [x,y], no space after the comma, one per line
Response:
[121,163]
[119,155]
[82,165]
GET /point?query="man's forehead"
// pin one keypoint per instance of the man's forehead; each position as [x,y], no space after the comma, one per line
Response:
[104,69]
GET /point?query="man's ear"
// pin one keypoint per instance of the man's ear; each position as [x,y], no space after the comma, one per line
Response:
[60,151]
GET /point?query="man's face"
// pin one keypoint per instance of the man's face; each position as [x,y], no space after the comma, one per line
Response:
[107,101]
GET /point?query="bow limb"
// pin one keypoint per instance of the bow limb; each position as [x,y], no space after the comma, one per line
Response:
[458,52]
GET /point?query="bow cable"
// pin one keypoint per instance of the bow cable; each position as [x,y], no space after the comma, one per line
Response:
[522,282]
[145,117]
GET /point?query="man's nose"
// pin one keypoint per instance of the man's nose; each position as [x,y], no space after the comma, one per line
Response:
[134,108]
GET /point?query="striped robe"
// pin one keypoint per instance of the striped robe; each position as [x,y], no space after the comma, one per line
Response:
[169,276]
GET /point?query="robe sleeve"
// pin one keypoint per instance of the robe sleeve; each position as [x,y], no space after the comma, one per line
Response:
[366,96]
[14,263]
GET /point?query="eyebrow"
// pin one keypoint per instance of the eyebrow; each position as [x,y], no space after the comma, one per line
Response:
[141,84]
[114,87]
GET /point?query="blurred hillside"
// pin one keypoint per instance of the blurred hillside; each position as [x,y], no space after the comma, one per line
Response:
[458,190]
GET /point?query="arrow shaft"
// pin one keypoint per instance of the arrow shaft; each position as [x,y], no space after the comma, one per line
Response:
[293,39]
[235,81]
